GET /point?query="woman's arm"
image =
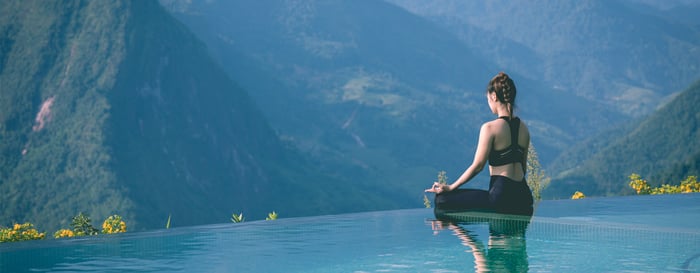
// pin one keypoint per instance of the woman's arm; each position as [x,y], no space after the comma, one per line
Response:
[480,159]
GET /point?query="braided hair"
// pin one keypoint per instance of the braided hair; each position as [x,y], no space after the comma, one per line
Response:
[504,87]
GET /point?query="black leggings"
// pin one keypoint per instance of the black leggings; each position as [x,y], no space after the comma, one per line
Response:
[504,196]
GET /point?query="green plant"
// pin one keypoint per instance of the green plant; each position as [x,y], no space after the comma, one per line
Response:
[81,226]
[271,216]
[536,178]
[113,224]
[639,185]
[20,232]
[689,184]
[167,224]
[426,201]
[578,195]
[442,179]
[63,233]
[237,218]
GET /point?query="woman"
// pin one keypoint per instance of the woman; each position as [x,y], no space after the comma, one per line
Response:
[504,143]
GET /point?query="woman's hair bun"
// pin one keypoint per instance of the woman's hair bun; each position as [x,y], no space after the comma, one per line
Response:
[504,87]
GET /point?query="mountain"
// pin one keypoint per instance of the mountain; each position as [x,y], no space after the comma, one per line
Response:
[116,107]
[627,55]
[661,147]
[55,70]
[373,92]
[309,107]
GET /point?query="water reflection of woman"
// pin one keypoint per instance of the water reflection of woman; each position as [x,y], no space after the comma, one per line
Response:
[506,250]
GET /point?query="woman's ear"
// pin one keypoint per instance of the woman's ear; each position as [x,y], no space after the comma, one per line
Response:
[492,96]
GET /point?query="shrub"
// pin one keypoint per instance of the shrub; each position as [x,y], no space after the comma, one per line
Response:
[690,184]
[113,224]
[81,226]
[63,233]
[20,232]
[578,195]
[536,179]
[639,185]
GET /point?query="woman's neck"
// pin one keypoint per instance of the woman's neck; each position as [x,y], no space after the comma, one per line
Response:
[502,111]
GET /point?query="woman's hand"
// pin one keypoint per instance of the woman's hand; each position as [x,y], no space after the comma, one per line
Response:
[438,188]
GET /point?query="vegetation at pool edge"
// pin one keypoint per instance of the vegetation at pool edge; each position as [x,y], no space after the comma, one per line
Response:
[82,226]
[578,195]
[442,179]
[20,232]
[689,185]
[237,218]
[271,216]
[536,179]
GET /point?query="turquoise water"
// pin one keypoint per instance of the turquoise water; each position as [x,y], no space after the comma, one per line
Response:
[621,234]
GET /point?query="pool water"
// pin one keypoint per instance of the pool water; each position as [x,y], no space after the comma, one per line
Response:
[619,234]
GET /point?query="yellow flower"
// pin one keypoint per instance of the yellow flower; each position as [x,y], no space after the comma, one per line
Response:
[20,232]
[64,233]
[113,224]
[578,195]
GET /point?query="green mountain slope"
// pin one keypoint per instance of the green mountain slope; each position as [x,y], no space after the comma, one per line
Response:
[57,66]
[115,107]
[661,147]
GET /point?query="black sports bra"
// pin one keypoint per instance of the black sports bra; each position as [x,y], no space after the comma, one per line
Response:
[513,153]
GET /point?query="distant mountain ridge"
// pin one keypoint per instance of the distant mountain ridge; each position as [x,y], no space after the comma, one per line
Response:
[614,52]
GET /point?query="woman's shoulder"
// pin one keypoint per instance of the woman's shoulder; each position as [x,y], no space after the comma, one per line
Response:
[491,123]
[493,127]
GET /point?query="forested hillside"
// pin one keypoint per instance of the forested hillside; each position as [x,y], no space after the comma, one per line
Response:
[59,61]
[661,148]
[115,107]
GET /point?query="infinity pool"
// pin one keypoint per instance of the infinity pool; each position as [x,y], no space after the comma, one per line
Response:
[621,234]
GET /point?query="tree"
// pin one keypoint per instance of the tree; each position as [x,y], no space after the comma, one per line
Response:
[536,178]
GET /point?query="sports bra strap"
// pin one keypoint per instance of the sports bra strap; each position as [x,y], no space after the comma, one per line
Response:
[514,129]
[514,124]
